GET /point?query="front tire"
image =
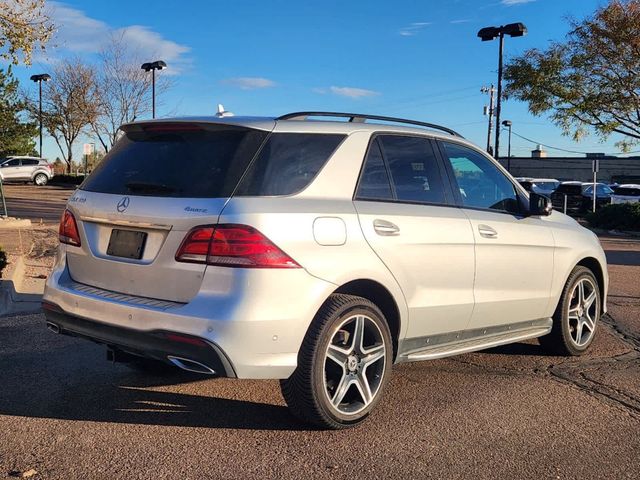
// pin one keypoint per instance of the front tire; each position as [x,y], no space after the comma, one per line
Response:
[40,179]
[343,364]
[575,320]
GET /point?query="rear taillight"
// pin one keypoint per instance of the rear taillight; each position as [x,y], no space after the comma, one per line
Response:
[68,231]
[231,245]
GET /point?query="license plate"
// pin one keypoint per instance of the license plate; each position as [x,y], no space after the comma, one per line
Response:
[126,244]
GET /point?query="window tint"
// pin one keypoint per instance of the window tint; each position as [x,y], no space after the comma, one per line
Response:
[12,163]
[180,160]
[481,183]
[288,163]
[414,169]
[374,182]
[29,161]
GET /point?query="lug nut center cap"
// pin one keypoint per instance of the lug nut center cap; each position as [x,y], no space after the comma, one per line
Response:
[352,363]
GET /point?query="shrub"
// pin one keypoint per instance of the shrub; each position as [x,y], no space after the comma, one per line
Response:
[3,260]
[624,216]
[66,180]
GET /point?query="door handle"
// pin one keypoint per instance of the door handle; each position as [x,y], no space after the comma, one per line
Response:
[487,232]
[385,228]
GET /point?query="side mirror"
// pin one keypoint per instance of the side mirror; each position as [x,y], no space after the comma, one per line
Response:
[539,205]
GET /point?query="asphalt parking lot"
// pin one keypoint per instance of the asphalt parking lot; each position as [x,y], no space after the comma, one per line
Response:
[510,412]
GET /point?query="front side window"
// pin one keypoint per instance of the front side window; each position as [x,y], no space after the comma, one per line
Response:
[480,182]
[12,163]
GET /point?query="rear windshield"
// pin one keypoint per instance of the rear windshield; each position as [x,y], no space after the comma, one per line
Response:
[177,161]
[570,189]
[288,163]
[629,191]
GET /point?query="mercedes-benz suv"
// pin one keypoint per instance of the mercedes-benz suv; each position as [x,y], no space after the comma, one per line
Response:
[318,249]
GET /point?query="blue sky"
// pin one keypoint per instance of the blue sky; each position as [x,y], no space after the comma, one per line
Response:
[414,59]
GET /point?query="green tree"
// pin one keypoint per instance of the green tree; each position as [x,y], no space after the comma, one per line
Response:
[16,134]
[590,82]
[24,25]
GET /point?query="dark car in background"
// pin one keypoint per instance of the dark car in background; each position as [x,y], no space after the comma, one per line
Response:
[577,197]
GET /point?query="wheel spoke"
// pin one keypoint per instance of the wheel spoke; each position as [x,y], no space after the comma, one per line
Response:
[372,355]
[341,390]
[589,300]
[580,293]
[358,334]
[578,331]
[362,384]
[338,355]
[588,321]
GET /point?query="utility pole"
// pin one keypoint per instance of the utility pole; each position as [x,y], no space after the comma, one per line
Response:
[489,111]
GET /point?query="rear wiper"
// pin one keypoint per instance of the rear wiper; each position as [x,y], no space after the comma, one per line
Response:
[149,187]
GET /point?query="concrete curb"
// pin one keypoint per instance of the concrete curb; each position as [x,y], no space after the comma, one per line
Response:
[9,222]
[12,301]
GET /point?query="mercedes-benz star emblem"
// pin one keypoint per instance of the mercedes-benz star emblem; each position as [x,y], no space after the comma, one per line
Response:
[123,204]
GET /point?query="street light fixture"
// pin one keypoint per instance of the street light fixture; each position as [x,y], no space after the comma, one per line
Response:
[487,34]
[508,124]
[153,66]
[43,77]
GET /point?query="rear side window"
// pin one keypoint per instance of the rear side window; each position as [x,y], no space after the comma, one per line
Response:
[288,163]
[414,169]
[30,162]
[180,160]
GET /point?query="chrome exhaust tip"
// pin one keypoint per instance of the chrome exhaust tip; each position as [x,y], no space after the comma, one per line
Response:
[191,365]
[53,327]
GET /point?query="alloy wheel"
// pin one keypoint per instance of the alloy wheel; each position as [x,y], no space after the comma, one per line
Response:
[354,365]
[583,312]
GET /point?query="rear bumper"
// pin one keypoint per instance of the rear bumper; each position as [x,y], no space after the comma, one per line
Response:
[159,345]
[255,321]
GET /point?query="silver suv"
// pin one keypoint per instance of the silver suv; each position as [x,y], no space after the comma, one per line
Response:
[26,169]
[317,251]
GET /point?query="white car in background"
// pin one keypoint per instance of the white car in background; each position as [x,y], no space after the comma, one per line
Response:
[316,252]
[26,169]
[626,193]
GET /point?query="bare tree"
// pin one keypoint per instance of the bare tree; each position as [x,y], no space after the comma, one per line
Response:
[124,89]
[70,104]
[24,24]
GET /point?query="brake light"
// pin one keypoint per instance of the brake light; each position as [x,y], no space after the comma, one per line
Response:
[231,245]
[68,231]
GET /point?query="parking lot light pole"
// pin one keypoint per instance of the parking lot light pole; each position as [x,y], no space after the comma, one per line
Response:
[153,66]
[43,77]
[487,34]
[507,123]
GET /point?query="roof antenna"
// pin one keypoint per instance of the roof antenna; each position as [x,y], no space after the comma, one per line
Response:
[222,112]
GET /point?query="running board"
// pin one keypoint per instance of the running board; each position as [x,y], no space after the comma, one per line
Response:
[456,343]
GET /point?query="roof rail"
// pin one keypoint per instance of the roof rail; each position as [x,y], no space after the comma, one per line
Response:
[362,118]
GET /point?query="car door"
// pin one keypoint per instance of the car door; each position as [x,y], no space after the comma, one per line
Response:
[10,169]
[406,212]
[513,251]
[28,166]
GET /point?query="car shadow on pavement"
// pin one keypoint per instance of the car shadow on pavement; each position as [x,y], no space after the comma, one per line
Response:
[623,257]
[64,378]
[532,349]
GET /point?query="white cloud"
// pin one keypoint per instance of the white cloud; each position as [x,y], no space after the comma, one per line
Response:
[462,20]
[352,92]
[249,83]
[80,34]
[413,28]
[510,3]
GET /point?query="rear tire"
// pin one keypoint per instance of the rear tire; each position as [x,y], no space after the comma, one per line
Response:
[575,320]
[343,364]
[40,179]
